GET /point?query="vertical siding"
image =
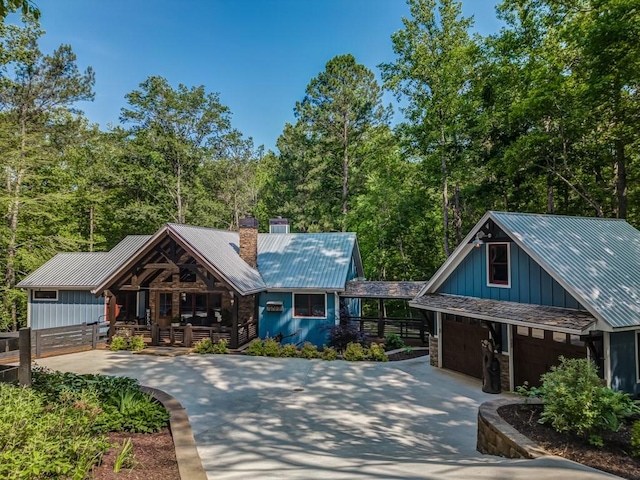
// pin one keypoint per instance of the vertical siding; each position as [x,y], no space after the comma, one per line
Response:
[529,282]
[623,362]
[73,307]
[314,330]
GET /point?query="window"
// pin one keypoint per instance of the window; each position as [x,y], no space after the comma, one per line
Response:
[165,304]
[559,337]
[51,295]
[309,305]
[498,271]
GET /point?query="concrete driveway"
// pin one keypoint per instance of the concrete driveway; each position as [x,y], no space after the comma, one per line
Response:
[299,419]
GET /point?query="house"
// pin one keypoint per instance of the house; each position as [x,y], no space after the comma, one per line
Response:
[539,286]
[238,284]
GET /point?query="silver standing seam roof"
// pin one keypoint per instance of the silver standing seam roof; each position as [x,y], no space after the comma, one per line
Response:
[83,270]
[597,260]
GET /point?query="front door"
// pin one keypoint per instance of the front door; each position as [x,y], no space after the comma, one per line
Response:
[164,313]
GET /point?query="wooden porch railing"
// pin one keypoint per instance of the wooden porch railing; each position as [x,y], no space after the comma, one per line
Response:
[404,327]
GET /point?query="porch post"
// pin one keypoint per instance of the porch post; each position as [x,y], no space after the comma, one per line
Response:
[234,323]
[111,313]
[381,318]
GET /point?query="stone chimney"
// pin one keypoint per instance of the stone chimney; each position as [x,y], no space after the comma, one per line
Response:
[248,227]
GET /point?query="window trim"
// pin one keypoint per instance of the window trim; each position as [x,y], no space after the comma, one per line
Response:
[293,305]
[499,285]
[33,296]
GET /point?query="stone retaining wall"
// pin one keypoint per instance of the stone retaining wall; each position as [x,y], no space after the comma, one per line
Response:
[497,437]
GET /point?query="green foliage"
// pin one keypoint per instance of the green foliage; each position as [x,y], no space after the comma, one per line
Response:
[48,440]
[220,347]
[328,353]
[256,348]
[575,400]
[309,351]
[271,348]
[635,438]
[393,341]
[136,343]
[118,343]
[132,411]
[354,352]
[124,458]
[376,353]
[203,346]
[289,350]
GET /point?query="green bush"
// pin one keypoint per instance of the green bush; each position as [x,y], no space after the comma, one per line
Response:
[393,342]
[271,348]
[48,440]
[255,349]
[136,343]
[328,353]
[354,352]
[376,353]
[289,350]
[309,351]
[118,343]
[203,346]
[575,400]
[132,411]
[635,439]
[220,347]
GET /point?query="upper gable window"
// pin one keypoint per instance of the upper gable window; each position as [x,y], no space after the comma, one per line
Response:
[498,268]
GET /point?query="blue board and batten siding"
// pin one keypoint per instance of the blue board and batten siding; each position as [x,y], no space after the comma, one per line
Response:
[624,375]
[73,307]
[529,282]
[314,330]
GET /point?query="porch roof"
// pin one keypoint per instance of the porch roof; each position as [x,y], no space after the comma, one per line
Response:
[538,316]
[376,289]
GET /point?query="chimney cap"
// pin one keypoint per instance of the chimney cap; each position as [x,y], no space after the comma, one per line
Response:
[249,221]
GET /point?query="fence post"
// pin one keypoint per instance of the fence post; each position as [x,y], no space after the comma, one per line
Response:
[381,318]
[38,343]
[94,336]
[24,370]
[188,335]
[155,334]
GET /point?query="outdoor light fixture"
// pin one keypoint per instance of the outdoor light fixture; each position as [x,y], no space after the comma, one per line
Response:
[478,242]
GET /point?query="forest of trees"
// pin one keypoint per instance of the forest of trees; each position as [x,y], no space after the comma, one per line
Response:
[543,116]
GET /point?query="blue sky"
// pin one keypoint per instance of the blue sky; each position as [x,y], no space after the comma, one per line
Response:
[258,54]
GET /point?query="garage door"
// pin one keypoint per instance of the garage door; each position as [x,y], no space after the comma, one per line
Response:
[461,348]
[535,351]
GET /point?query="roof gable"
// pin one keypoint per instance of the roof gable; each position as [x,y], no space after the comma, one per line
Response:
[596,260]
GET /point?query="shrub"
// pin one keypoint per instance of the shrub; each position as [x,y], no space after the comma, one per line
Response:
[118,343]
[289,350]
[328,353]
[136,343]
[271,348]
[309,351]
[48,440]
[342,335]
[575,400]
[132,411]
[635,439]
[203,346]
[125,457]
[393,342]
[220,347]
[376,353]
[354,352]
[255,349]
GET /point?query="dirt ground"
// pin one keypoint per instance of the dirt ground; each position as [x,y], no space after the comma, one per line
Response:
[614,457]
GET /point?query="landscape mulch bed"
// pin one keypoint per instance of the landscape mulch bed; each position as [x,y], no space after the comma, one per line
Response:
[613,457]
[408,355]
[154,458]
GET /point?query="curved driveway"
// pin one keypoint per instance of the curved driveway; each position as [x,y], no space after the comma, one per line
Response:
[300,419]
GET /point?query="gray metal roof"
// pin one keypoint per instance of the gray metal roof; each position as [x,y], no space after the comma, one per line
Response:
[596,259]
[305,260]
[220,248]
[82,270]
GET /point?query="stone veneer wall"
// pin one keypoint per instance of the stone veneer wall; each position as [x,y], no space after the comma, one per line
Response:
[504,371]
[497,437]
[246,309]
[433,351]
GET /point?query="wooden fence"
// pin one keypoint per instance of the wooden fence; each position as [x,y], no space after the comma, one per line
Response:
[406,328]
[16,343]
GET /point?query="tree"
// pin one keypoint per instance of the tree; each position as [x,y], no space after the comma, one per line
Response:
[341,109]
[435,58]
[36,91]
[27,7]
[172,132]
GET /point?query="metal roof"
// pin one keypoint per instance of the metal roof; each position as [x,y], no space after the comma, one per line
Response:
[538,316]
[374,289]
[305,260]
[82,270]
[220,248]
